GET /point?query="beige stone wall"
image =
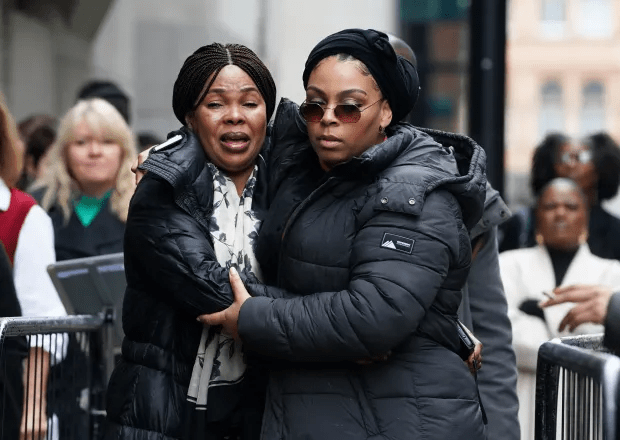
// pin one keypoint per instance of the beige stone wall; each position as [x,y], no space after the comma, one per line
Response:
[572,60]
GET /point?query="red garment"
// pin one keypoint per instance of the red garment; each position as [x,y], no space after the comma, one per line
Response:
[12,220]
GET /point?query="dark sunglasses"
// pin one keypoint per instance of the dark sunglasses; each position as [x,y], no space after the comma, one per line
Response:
[346,113]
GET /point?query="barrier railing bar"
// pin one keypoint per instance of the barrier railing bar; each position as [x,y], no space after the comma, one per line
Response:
[38,332]
[583,372]
[24,326]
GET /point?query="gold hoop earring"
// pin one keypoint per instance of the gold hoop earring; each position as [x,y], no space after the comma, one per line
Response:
[540,239]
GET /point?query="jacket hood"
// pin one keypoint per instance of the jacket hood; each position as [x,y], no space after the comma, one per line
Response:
[426,159]
[438,165]
[495,210]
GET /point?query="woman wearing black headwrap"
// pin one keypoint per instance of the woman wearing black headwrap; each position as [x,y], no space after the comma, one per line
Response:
[194,213]
[367,233]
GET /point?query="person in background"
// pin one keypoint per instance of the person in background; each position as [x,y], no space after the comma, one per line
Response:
[403,49]
[483,308]
[594,164]
[38,133]
[89,183]
[86,192]
[109,91]
[28,238]
[560,261]
[13,352]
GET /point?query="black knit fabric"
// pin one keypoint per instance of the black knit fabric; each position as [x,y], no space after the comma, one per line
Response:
[396,77]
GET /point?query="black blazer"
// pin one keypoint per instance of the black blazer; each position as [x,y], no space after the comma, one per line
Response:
[72,240]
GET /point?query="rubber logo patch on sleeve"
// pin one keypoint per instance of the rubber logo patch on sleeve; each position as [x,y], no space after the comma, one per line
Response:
[397,243]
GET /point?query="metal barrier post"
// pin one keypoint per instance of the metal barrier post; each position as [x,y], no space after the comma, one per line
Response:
[109,316]
[78,374]
[589,392]
[547,380]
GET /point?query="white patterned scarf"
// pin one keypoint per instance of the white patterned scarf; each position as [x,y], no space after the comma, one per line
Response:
[234,228]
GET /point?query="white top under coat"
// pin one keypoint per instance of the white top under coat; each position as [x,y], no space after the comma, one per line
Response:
[34,252]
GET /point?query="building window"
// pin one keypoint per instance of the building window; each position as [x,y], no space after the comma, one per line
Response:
[553,18]
[592,108]
[594,18]
[551,110]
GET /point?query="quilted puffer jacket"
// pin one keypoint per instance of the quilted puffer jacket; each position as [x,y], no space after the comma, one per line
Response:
[375,253]
[172,277]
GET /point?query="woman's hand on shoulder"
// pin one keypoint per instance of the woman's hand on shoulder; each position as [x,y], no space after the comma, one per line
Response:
[139,161]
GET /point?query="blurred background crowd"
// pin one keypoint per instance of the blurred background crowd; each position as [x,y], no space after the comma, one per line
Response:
[535,82]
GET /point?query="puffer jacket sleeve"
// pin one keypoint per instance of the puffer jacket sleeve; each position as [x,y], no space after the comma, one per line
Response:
[168,254]
[388,294]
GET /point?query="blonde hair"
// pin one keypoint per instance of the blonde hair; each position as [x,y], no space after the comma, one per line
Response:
[103,119]
[11,155]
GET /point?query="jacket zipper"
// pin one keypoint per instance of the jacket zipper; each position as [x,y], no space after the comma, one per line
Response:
[296,213]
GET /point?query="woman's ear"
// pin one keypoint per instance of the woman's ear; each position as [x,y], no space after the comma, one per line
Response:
[386,113]
[188,121]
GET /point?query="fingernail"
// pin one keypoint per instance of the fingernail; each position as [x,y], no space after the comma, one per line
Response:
[233,270]
[198,319]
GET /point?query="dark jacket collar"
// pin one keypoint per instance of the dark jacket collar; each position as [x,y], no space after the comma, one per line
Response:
[426,159]
[183,164]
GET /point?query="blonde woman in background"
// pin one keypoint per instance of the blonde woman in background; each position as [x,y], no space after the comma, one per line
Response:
[86,191]
[88,185]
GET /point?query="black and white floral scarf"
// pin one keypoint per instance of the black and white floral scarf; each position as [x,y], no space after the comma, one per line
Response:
[234,229]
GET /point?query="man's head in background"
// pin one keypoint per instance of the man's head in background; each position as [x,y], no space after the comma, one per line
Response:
[38,133]
[147,140]
[110,92]
[403,49]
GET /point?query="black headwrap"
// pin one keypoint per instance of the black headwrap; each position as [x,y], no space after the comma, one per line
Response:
[189,88]
[396,77]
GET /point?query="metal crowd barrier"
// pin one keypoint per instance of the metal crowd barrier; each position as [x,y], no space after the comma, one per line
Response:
[577,390]
[53,376]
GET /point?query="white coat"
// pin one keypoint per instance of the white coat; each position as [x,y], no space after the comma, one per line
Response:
[526,274]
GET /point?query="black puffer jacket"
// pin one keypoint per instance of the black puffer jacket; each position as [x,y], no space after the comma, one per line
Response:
[172,277]
[376,252]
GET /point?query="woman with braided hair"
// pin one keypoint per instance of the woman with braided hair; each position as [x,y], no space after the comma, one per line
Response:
[194,215]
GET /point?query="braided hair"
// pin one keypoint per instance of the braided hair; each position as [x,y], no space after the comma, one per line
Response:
[189,88]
